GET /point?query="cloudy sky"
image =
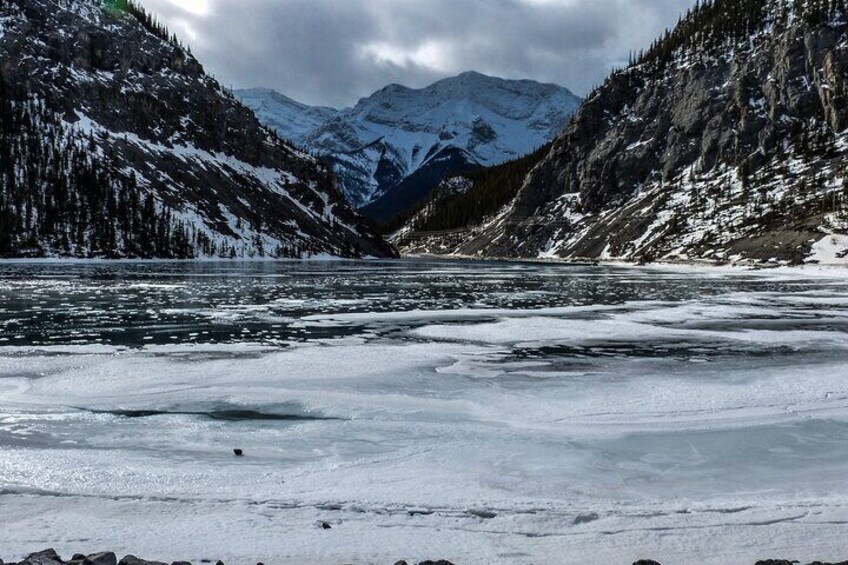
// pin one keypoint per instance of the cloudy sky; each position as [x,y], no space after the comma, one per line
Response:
[335,51]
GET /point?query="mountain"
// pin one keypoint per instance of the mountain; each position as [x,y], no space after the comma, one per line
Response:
[724,141]
[115,143]
[394,146]
[289,118]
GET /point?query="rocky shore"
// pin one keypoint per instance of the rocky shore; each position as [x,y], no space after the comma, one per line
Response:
[50,557]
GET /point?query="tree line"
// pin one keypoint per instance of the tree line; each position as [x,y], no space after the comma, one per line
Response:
[712,23]
[147,20]
[491,189]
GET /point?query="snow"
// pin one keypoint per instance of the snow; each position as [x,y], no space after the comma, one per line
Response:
[830,250]
[549,415]
[4,22]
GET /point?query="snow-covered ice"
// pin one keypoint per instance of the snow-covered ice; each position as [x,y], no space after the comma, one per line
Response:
[831,250]
[478,412]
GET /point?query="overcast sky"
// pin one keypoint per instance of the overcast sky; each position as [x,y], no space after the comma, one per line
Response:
[335,51]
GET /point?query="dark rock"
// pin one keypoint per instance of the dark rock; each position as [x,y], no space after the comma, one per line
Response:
[46,554]
[181,563]
[646,562]
[585,518]
[776,562]
[219,562]
[106,558]
[238,452]
[46,557]
[440,562]
[326,526]
[133,560]
[401,562]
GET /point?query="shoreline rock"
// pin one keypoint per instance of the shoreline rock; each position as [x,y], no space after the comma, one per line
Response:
[51,557]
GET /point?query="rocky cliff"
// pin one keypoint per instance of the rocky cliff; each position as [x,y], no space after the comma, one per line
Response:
[725,140]
[115,143]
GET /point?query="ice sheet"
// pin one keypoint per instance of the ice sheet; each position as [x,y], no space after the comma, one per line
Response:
[481,413]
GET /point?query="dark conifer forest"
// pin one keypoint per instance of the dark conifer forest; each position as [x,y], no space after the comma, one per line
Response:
[712,23]
[490,189]
[55,187]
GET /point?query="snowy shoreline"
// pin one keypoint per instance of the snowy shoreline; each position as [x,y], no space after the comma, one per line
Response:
[840,269]
[50,557]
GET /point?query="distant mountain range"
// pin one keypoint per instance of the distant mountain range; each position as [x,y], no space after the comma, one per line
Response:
[726,140]
[394,146]
[114,142]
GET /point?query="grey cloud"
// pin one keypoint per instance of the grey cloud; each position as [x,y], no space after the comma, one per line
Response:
[335,51]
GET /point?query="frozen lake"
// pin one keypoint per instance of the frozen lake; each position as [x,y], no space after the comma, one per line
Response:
[477,412]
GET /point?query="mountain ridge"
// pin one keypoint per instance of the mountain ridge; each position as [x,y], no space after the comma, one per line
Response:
[470,119]
[144,155]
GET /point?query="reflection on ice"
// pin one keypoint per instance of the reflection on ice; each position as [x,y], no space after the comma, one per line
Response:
[505,413]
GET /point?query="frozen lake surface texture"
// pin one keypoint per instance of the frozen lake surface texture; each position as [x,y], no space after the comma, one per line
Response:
[476,412]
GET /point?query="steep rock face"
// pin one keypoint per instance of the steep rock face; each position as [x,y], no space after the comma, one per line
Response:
[112,97]
[386,145]
[724,141]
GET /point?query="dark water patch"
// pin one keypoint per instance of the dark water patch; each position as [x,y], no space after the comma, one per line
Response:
[137,304]
[567,357]
[812,323]
[100,274]
[209,356]
[244,415]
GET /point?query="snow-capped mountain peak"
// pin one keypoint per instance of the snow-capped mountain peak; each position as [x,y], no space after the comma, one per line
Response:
[393,144]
